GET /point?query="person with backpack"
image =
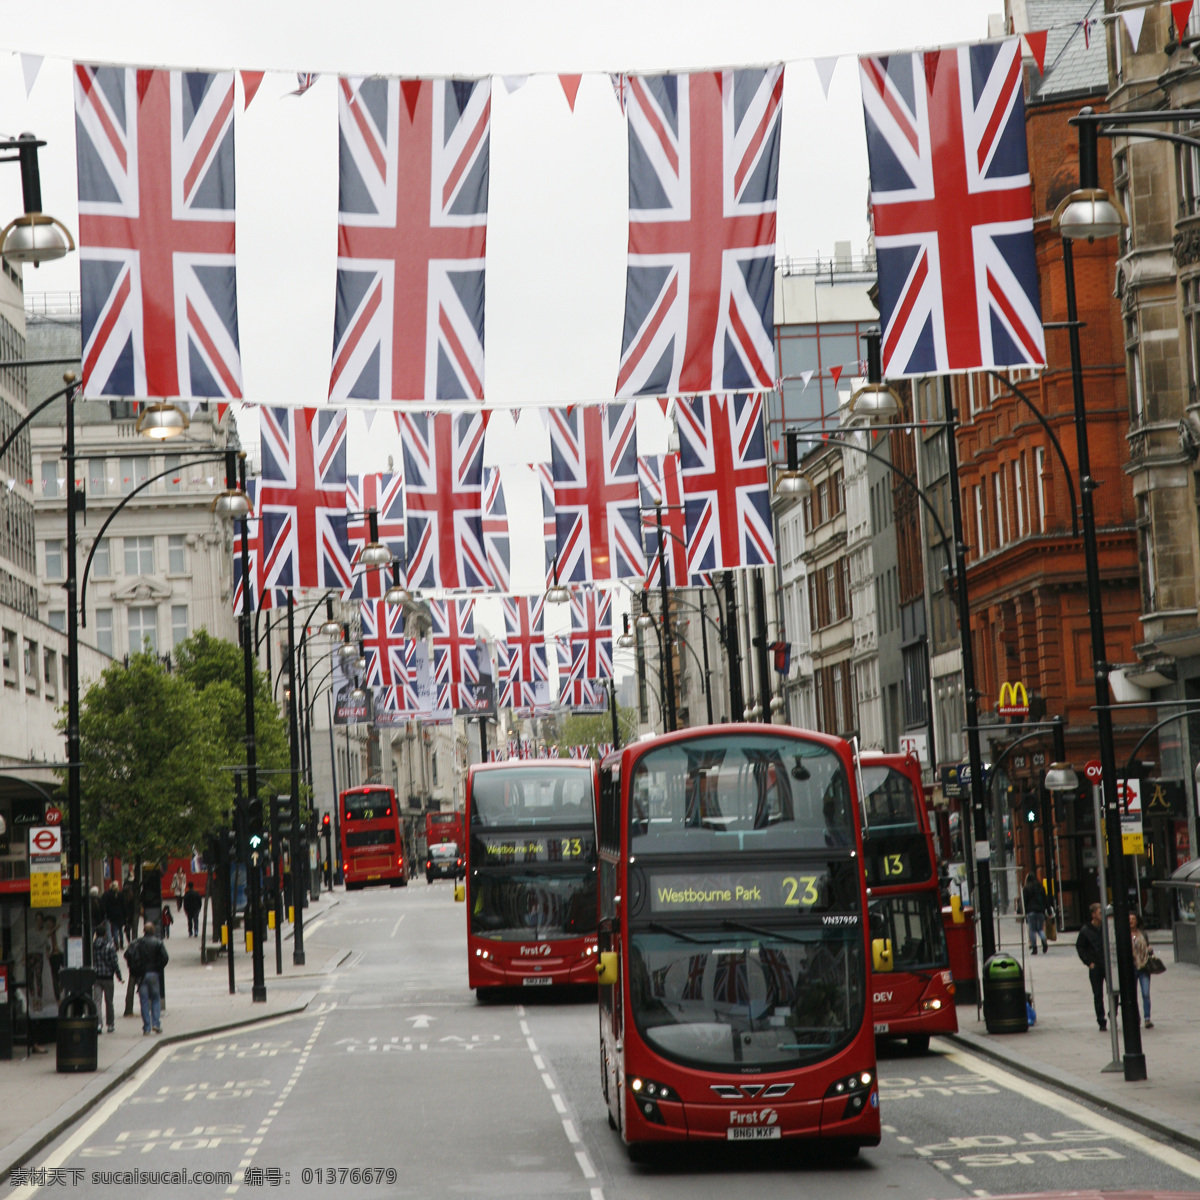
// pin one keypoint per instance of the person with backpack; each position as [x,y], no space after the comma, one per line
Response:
[147,957]
[104,962]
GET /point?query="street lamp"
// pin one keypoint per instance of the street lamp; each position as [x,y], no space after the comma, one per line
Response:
[374,554]
[161,421]
[33,237]
[397,593]
[626,641]
[874,400]
[556,593]
[1061,777]
[792,482]
[330,627]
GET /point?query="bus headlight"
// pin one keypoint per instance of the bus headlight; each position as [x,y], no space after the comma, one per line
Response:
[851,1083]
[930,1005]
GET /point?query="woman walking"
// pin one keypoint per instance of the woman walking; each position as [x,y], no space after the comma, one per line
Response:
[1141,961]
[1035,912]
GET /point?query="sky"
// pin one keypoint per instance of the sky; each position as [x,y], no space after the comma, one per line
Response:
[557,209]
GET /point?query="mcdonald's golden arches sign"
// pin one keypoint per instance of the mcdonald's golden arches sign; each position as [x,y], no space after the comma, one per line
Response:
[1014,700]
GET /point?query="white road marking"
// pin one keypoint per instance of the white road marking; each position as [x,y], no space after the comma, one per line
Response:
[585,1164]
[943,1166]
[525,1028]
[532,1045]
[961,1179]
[981,1192]
[906,1140]
[548,1081]
[888,1128]
[397,925]
[1064,1107]
[569,1130]
[539,1062]
[597,1194]
[559,1102]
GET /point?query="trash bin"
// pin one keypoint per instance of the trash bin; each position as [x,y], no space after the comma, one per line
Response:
[960,942]
[78,1020]
[1004,1008]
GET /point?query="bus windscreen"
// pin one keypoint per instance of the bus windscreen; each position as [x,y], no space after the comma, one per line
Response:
[542,796]
[367,806]
[739,792]
[890,802]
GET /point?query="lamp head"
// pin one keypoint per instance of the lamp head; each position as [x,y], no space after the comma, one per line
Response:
[161,421]
[557,594]
[1061,777]
[329,627]
[232,505]
[1089,213]
[645,621]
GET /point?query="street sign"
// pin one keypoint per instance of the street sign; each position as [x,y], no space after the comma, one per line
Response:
[45,866]
[916,744]
[45,840]
[1094,771]
[1013,700]
[1129,797]
[53,816]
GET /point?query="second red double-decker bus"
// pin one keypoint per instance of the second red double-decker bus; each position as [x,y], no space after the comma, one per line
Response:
[445,846]
[916,997]
[734,1003]
[531,874]
[372,845]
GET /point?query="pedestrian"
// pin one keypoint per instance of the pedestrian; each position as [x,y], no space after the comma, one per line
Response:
[130,905]
[95,907]
[1035,911]
[1141,960]
[114,913]
[178,887]
[167,921]
[191,907]
[147,957]
[1089,945]
[104,962]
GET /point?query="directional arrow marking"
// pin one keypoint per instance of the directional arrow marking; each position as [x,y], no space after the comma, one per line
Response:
[421,1021]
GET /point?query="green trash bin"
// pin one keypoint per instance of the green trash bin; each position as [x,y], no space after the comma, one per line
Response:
[1004,1008]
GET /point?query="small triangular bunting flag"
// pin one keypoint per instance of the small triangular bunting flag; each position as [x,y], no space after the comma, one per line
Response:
[570,87]
[620,85]
[775,444]
[487,416]
[31,64]
[304,80]
[143,83]
[807,377]
[369,417]
[932,58]
[836,372]
[251,81]
[192,406]
[1133,18]
[1035,39]
[514,83]
[411,89]
[664,402]
[825,69]
[1181,12]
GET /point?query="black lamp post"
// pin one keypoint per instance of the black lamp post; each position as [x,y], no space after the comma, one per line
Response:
[665,644]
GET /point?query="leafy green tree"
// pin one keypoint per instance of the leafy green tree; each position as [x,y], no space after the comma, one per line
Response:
[214,668]
[593,729]
[150,762]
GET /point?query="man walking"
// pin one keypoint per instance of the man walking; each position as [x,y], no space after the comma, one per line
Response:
[1089,945]
[104,961]
[191,907]
[114,913]
[147,957]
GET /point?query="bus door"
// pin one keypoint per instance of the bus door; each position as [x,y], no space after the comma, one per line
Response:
[608,934]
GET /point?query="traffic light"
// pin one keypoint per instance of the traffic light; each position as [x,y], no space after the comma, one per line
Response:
[229,843]
[325,823]
[1031,816]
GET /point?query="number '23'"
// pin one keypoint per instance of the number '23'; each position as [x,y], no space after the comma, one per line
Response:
[808,897]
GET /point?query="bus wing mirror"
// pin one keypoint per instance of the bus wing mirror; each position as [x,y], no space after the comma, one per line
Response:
[460,893]
[607,971]
[881,955]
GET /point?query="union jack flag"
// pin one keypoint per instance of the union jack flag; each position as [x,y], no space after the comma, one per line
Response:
[703,179]
[443,472]
[524,656]
[385,494]
[693,989]
[731,983]
[591,634]
[950,200]
[302,498]
[723,464]
[658,475]
[597,521]
[495,529]
[154,151]
[781,986]
[259,598]
[382,626]
[412,227]
[545,475]
[585,695]
[454,661]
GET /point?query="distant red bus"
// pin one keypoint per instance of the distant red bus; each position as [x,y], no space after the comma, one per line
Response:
[734,1001]
[372,844]
[531,874]
[445,846]
[916,998]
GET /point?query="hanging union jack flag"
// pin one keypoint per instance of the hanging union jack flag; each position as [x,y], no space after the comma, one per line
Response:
[443,471]
[154,151]
[597,522]
[382,627]
[726,497]
[302,498]
[658,475]
[384,493]
[591,634]
[412,226]
[703,180]
[454,663]
[950,201]
[495,529]
[545,477]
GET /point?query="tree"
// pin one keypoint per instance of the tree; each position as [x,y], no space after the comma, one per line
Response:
[215,669]
[592,729]
[150,762]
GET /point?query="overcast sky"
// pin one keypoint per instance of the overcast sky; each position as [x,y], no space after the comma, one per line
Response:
[557,213]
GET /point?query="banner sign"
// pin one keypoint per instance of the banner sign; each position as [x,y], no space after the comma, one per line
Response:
[805,888]
[503,851]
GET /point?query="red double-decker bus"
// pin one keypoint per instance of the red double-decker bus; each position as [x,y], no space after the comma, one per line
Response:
[915,999]
[372,844]
[734,942]
[531,874]
[445,846]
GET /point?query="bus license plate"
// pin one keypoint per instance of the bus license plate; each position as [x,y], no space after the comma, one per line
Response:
[881,1027]
[752,1133]
[370,877]
[536,980]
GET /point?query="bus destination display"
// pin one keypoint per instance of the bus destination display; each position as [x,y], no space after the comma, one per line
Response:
[501,851]
[897,860]
[740,891]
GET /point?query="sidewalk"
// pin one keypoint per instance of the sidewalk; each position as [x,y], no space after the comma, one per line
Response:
[1066,1050]
[198,1003]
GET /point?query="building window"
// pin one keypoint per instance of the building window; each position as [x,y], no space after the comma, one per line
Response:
[54,560]
[174,464]
[1001,515]
[143,630]
[1137,397]
[134,472]
[1019,494]
[32,678]
[1039,469]
[56,618]
[11,678]
[977,495]
[104,630]
[50,672]
[435,769]
[176,555]
[139,556]
[1145,534]
[102,560]
[179,624]
[97,481]
[50,484]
